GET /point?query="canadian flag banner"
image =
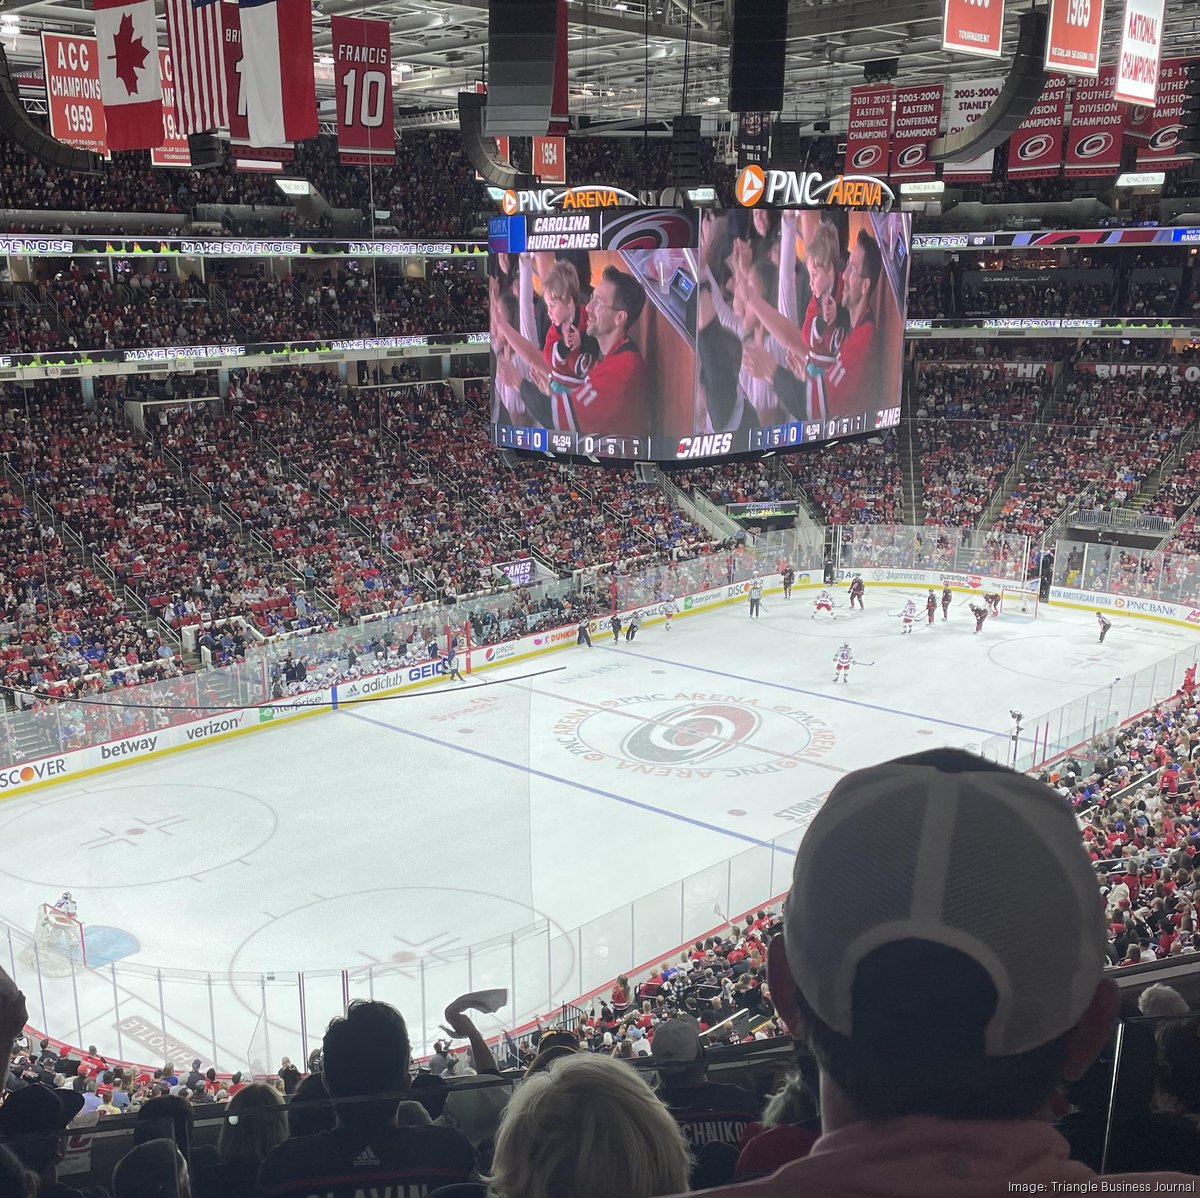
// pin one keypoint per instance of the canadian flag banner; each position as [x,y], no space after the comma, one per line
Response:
[129,82]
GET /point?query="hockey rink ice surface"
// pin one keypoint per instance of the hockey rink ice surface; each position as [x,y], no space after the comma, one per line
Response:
[509,815]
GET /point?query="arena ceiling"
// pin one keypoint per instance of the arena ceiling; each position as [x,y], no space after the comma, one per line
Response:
[440,46]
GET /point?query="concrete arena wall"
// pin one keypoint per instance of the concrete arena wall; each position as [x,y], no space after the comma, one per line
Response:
[79,763]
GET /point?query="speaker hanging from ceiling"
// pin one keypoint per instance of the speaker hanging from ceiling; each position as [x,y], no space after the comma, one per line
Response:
[1022,90]
[522,42]
[482,151]
[757,48]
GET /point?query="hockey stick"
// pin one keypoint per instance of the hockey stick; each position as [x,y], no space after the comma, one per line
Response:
[863,663]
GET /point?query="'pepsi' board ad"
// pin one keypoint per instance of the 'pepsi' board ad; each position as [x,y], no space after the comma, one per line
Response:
[750,330]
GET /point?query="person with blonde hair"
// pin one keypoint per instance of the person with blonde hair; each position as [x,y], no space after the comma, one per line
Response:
[588,1126]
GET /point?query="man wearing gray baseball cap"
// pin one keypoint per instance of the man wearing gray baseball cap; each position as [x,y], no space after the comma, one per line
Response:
[943,1033]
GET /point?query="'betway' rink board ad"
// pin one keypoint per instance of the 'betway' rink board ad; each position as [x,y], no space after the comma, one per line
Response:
[219,725]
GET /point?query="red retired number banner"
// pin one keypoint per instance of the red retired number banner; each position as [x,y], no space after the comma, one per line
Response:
[1096,134]
[869,131]
[550,159]
[917,120]
[973,27]
[362,57]
[174,151]
[73,92]
[1037,146]
[1073,43]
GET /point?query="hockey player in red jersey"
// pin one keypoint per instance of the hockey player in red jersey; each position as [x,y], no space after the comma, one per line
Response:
[931,605]
[980,613]
[947,598]
[858,588]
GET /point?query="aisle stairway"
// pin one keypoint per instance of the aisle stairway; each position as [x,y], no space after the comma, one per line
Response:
[910,454]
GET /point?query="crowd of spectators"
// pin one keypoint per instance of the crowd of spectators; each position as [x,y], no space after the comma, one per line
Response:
[1043,296]
[853,482]
[1104,438]
[971,422]
[81,311]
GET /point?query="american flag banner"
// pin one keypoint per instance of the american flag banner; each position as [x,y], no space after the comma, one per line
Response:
[194,34]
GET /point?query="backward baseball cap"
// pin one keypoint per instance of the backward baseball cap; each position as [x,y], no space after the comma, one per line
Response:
[950,827]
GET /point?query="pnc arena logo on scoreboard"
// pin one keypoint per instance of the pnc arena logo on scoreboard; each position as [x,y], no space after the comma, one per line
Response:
[547,199]
[810,189]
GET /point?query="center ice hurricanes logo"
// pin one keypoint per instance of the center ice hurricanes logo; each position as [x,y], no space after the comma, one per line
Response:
[687,735]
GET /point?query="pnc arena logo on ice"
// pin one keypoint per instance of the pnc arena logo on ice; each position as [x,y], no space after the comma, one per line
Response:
[810,189]
[703,447]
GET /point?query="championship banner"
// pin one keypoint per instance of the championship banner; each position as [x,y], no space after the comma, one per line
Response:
[973,27]
[174,151]
[754,139]
[969,100]
[1141,47]
[869,131]
[362,56]
[73,92]
[917,119]
[1162,128]
[1095,134]
[1073,41]
[1036,149]
[550,159]
[235,98]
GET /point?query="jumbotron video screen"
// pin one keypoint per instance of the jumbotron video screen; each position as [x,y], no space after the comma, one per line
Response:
[666,335]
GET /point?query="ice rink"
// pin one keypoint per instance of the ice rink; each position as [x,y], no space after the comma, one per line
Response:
[543,826]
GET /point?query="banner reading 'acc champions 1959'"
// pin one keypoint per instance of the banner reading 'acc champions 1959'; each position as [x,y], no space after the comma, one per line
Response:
[647,334]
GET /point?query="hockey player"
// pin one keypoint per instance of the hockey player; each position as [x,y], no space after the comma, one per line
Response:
[980,613]
[992,599]
[615,625]
[789,577]
[858,588]
[66,905]
[1105,625]
[450,666]
[823,602]
[631,629]
[669,608]
[583,637]
[947,599]
[756,590]
[931,605]
[908,616]
[843,660]
[1189,681]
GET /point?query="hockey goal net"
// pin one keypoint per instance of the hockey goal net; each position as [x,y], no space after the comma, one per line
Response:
[58,942]
[1019,601]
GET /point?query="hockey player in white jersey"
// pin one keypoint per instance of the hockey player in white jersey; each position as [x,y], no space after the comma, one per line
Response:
[907,616]
[843,660]
[823,603]
[66,904]
[670,608]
